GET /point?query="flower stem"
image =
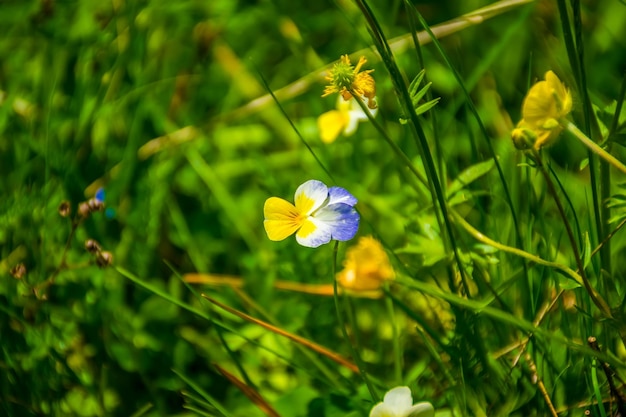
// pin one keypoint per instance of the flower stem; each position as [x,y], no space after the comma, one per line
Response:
[397,368]
[593,294]
[515,251]
[571,127]
[355,354]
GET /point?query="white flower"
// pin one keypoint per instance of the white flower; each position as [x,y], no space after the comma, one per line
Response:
[398,402]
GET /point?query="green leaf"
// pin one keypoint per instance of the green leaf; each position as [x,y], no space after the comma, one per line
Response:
[427,106]
[470,175]
[418,95]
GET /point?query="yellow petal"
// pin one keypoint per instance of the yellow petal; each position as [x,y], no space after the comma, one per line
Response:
[330,125]
[282,219]
[547,99]
[538,104]
[366,267]
[547,137]
[562,96]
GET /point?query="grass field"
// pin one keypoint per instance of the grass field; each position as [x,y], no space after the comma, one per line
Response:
[453,173]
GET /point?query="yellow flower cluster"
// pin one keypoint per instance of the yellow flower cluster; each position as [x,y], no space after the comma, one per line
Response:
[366,267]
[349,80]
[545,107]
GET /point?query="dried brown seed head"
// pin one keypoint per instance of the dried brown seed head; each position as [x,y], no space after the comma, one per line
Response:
[18,271]
[92,246]
[65,209]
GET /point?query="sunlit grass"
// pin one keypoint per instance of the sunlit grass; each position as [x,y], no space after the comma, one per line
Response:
[486,278]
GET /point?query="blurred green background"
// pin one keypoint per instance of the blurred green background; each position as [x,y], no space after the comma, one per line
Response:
[153,101]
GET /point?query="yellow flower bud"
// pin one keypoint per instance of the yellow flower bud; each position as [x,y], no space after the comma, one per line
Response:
[545,107]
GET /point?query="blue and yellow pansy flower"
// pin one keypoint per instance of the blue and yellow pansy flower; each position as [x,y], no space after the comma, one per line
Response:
[320,214]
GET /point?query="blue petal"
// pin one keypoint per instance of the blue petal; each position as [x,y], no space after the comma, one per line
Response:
[342,219]
[341,195]
[100,194]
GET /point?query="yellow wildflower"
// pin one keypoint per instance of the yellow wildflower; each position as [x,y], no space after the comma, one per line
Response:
[524,137]
[545,107]
[343,120]
[366,267]
[348,81]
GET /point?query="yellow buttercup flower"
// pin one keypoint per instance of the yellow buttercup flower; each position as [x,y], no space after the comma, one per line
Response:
[348,80]
[545,108]
[366,267]
[343,120]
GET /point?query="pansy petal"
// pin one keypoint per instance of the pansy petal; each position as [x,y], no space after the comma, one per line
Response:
[331,123]
[399,399]
[423,409]
[278,209]
[279,229]
[310,196]
[341,195]
[341,219]
[282,219]
[382,410]
[313,233]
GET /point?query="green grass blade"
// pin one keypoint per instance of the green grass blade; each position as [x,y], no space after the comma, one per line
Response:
[197,388]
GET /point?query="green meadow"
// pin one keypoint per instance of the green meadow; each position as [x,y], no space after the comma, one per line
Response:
[313,209]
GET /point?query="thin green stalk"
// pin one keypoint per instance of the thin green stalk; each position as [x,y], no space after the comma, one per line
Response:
[591,123]
[293,126]
[482,128]
[405,99]
[618,107]
[568,37]
[515,251]
[605,183]
[595,297]
[143,410]
[425,331]
[355,354]
[596,387]
[594,147]
[193,310]
[207,397]
[482,307]
[218,330]
[395,339]
[331,379]
[574,54]
[394,147]
[429,94]
[569,204]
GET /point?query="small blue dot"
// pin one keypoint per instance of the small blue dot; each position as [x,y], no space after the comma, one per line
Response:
[109,213]
[100,194]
